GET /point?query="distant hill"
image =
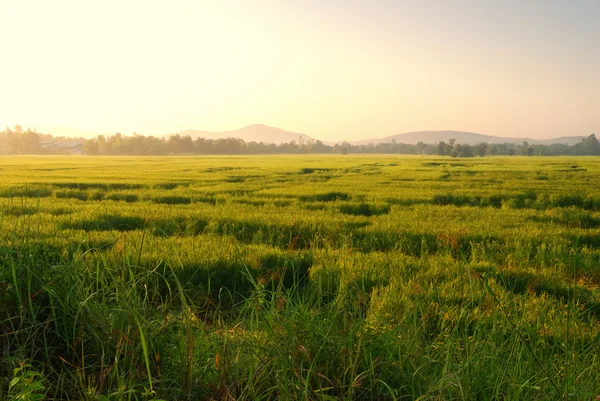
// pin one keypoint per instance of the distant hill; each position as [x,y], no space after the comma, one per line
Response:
[255,132]
[267,134]
[470,138]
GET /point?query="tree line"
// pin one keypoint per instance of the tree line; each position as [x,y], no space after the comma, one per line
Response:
[20,141]
[175,144]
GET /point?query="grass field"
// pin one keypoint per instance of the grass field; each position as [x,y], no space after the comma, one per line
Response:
[299,278]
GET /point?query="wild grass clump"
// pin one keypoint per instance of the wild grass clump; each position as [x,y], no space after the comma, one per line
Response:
[166,185]
[176,227]
[326,197]
[365,209]
[206,199]
[315,206]
[251,202]
[105,345]
[282,203]
[172,200]
[458,200]
[25,192]
[570,218]
[81,195]
[115,186]
[121,196]
[102,186]
[106,222]
[294,236]
[525,200]
[82,186]
[311,170]
[17,210]
[569,200]
[585,240]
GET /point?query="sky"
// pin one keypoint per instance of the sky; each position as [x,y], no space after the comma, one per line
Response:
[335,70]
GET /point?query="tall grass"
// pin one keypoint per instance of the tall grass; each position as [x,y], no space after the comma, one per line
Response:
[300,278]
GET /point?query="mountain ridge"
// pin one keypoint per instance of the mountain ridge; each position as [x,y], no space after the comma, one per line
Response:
[254,132]
[465,138]
[267,134]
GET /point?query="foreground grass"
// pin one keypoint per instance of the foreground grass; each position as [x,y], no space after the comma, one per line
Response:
[299,278]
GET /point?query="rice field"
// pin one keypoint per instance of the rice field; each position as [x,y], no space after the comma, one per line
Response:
[299,278]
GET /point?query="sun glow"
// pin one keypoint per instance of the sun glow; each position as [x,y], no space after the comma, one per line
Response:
[333,70]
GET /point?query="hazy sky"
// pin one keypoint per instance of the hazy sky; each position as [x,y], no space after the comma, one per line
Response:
[331,69]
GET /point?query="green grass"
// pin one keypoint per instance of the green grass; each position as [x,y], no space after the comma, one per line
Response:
[299,278]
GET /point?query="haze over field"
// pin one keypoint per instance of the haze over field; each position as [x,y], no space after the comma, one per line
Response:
[333,70]
[266,134]
[255,132]
[467,138]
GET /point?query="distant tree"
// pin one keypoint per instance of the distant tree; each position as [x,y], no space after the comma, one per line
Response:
[175,144]
[22,142]
[116,141]
[187,144]
[155,146]
[459,150]
[591,147]
[308,147]
[342,148]
[320,147]
[502,148]
[101,140]
[467,151]
[135,145]
[441,148]
[345,147]
[293,146]
[481,149]
[90,147]
[203,146]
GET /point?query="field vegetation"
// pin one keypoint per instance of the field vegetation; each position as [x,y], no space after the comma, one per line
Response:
[299,278]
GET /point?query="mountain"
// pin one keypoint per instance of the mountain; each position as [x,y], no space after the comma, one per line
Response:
[255,132]
[267,134]
[470,138]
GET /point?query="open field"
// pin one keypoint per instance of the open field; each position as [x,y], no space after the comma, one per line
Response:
[300,277]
